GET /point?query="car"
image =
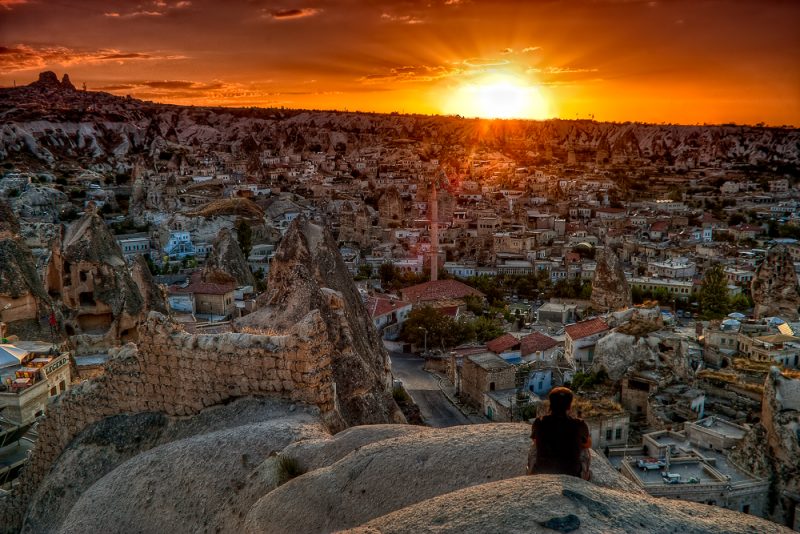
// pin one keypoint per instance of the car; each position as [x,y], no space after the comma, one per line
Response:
[671,478]
[650,464]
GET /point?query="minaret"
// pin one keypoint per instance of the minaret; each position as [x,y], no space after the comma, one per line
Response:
[434,202]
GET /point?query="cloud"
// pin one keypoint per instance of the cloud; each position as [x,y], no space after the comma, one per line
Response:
[156,8]
[290,14]
[402,19]
[167,88]
[23,57]
[529,49]
[413,73]
[507,51]
[485,62]
[117,15]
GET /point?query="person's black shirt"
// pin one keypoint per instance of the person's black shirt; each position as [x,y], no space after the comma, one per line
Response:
[559,442]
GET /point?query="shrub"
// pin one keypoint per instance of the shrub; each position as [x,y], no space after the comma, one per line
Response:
[288,468]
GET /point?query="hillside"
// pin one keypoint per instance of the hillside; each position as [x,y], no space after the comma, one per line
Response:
[49,125]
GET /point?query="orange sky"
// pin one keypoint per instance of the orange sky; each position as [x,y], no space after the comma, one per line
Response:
[687,61]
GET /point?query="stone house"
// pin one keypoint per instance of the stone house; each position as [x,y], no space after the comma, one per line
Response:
[581,339]
[483,373]
[214,299]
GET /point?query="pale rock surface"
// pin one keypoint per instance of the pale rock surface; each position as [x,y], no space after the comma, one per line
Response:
[158,454]
[523,504]
[395,472]
[617,353]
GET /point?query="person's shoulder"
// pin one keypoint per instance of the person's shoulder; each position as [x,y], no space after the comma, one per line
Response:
[577,421]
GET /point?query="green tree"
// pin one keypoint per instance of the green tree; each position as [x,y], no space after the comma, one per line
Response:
[364,271]
[387,272]
[714,299]
[485,329]
[245,236]
[440,331]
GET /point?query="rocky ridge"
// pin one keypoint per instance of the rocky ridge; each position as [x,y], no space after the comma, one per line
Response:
[307,274]
[227,261]
[53,123]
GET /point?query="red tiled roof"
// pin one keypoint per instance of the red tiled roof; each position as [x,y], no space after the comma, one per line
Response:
[659,226]
[198,286]
[381,306]
[536,342]
[438,290]
[502,343]
[586,328]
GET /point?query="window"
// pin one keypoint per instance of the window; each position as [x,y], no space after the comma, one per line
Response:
[491,386]
[618,434]
[608,434]
[62,385]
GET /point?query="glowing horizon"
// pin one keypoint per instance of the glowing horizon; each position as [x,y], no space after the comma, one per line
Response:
[717,61]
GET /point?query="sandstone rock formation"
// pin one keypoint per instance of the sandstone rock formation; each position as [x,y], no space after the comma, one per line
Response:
[225,470]
[772,447]
[390,207]
[227,260]
[547,503]
[308,275]
[617,353]
[89,276]
[22,295]
[66,84]
[774,287]
[610,290]
[153,295]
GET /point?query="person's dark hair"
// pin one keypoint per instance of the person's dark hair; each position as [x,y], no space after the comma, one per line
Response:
[560,400]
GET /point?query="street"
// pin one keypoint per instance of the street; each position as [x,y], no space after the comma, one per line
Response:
[436,409]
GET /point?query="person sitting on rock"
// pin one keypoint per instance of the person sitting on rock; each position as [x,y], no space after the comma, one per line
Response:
[561,443]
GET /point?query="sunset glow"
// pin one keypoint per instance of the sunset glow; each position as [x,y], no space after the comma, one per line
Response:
[657,61]
[497,98]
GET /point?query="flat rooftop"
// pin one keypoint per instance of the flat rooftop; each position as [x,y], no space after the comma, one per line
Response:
[722,427]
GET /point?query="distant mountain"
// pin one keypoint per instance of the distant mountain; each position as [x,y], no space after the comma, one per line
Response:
[49,123]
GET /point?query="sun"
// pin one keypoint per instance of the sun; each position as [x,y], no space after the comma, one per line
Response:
[497,97]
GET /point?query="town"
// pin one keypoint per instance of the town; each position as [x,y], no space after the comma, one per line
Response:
[653,269]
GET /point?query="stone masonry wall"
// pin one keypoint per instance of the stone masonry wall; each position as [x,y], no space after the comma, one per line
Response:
[179,374]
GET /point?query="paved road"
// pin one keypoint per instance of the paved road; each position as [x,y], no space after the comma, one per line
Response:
[436,409]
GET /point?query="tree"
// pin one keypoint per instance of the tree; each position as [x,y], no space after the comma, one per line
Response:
[387,272]
[428,324]
[714,300]
[245,237]
[485,329]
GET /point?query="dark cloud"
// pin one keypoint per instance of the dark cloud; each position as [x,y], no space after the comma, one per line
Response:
[25,57]
[413,73]
[289,14]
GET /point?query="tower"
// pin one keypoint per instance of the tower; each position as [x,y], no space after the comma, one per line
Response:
[434,211]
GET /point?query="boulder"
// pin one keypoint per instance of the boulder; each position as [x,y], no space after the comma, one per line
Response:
[552,503]
[395,472]
[617,353]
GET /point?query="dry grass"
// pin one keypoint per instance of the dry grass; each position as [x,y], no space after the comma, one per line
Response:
[730,378]
[229,206]
[254,330]
[638,328]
